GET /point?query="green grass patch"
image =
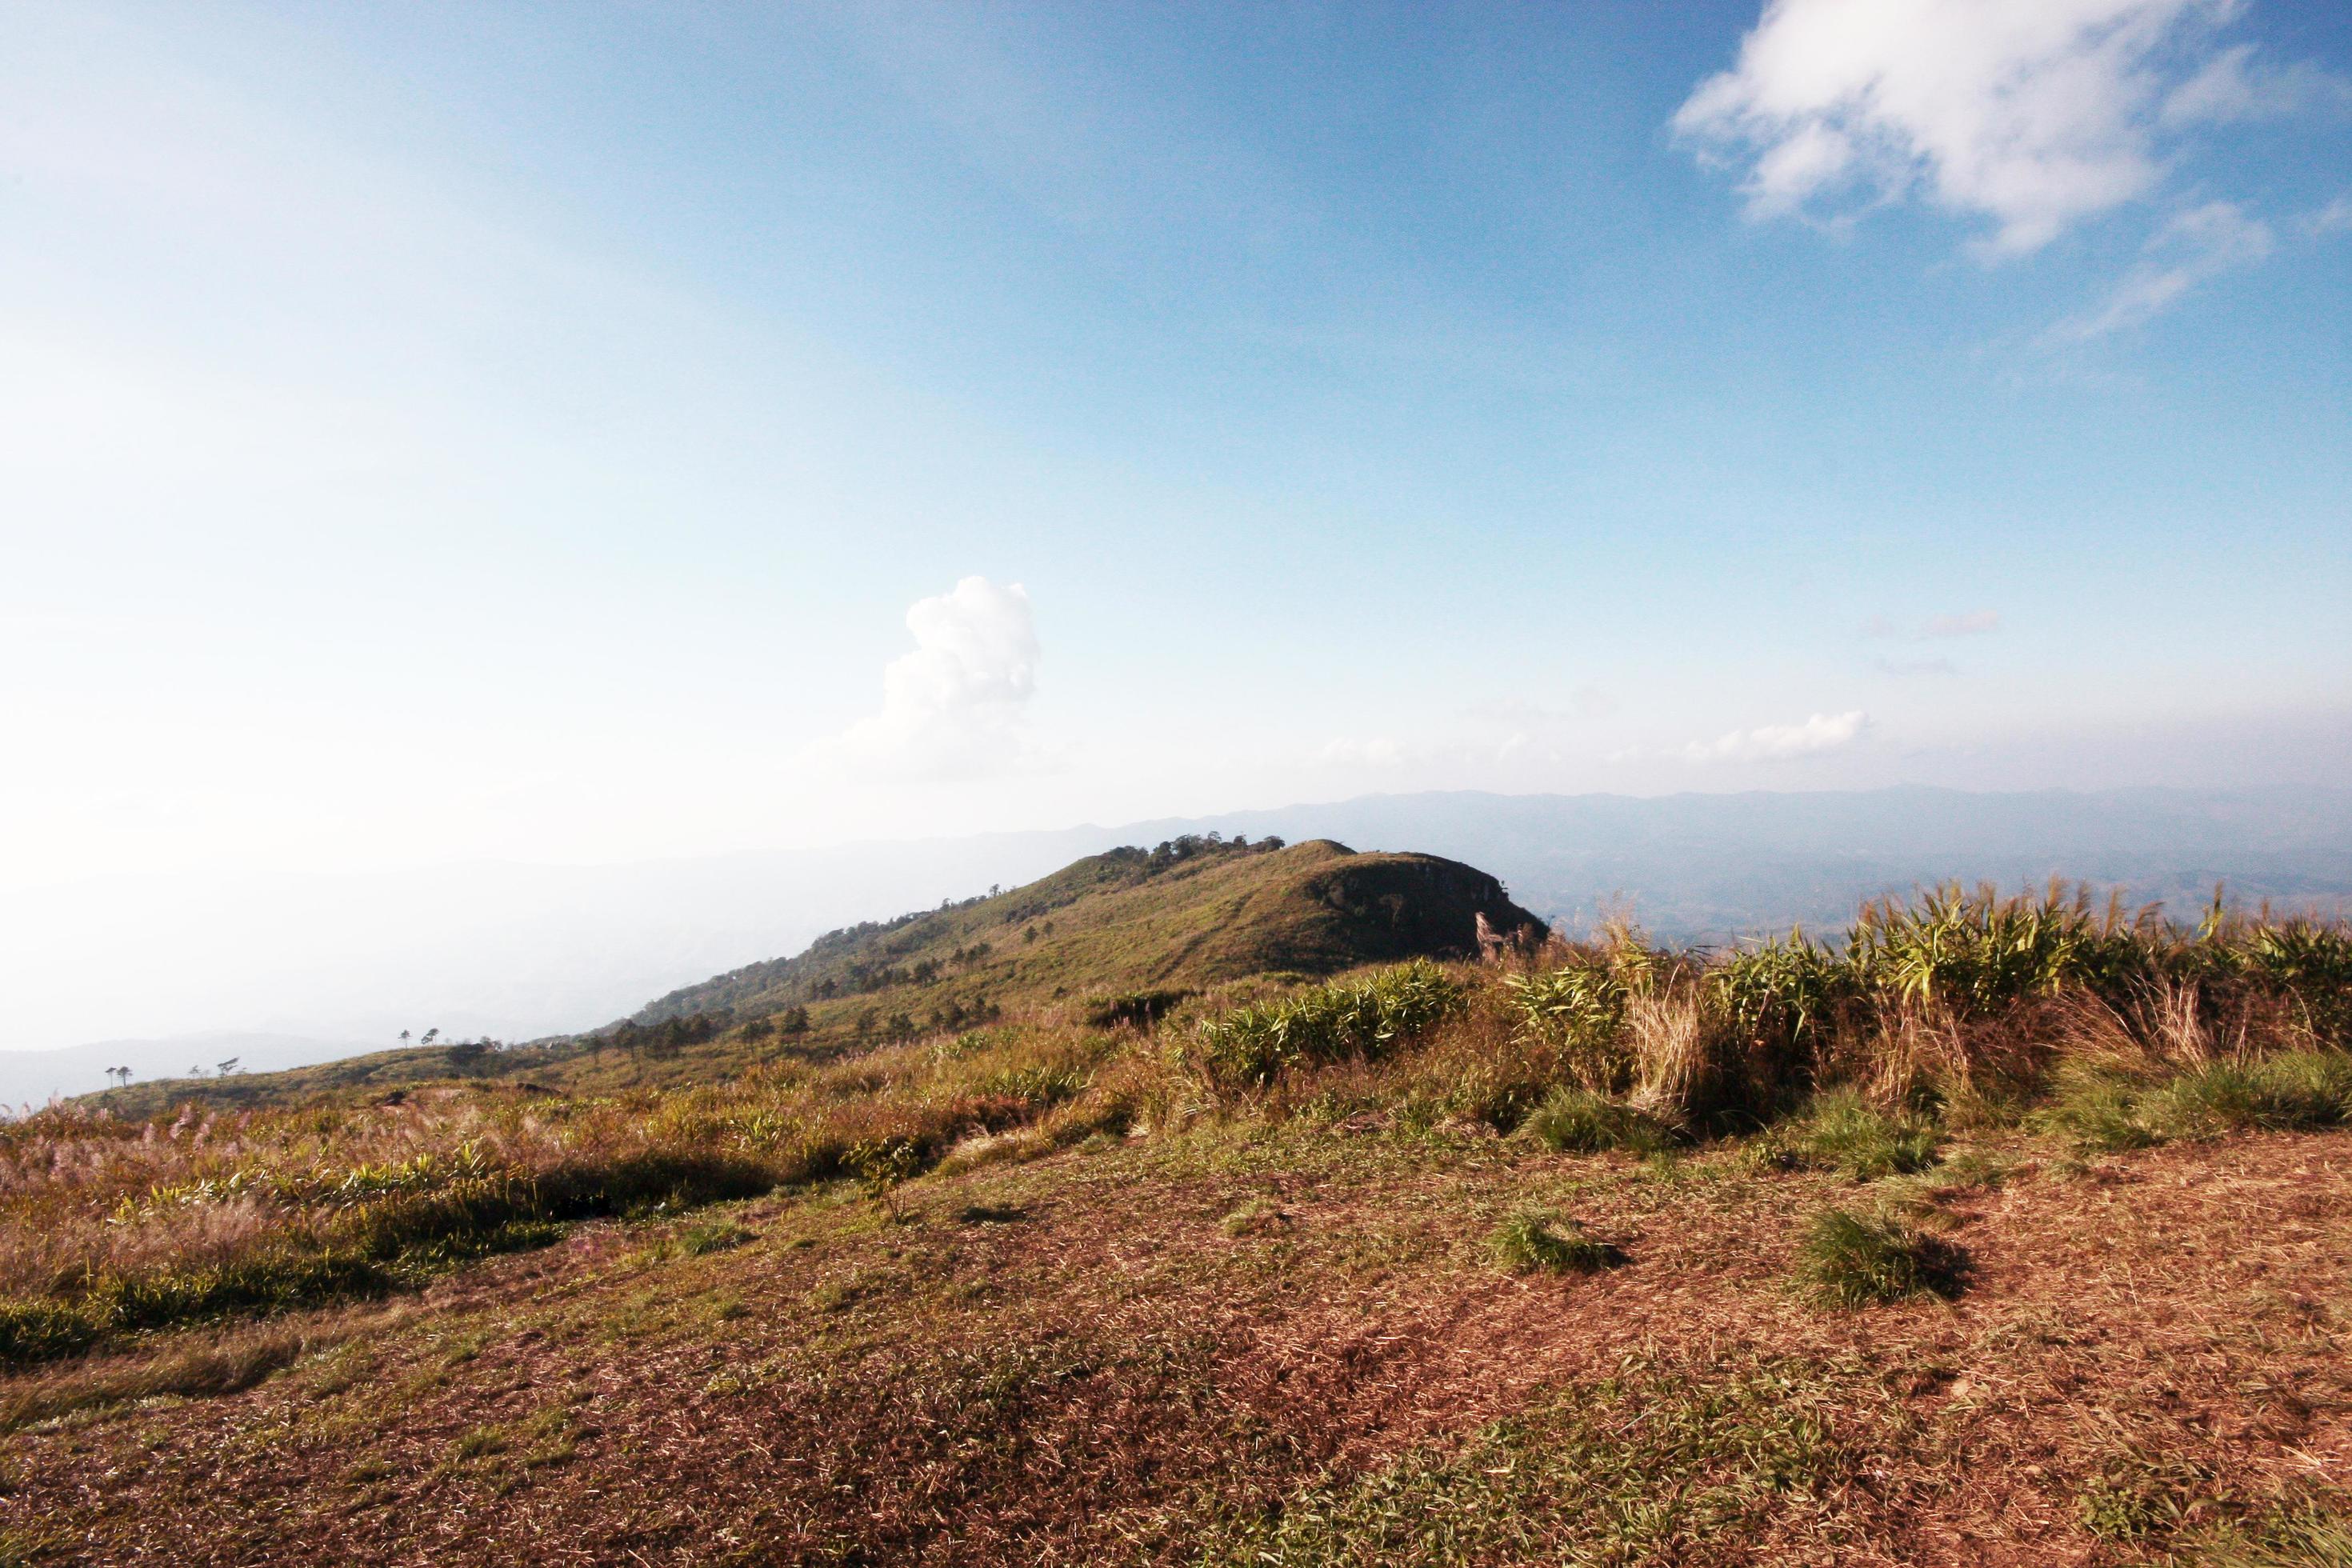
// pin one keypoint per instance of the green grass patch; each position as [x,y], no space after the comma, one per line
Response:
[2293,1091]
[1537,1241]
[1249,1047]
[1646,1466]
[1856,1260]
[1255,1217]
[711,1235]
[1842,1132]
[1580,1122]
[2309,1536]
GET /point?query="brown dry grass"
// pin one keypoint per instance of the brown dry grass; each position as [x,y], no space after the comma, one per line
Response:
[1103,1372]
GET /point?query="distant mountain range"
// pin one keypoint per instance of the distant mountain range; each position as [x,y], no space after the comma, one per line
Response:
[283,971]
[1698,868]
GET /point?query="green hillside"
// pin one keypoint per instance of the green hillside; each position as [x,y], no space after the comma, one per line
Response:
[1117,937]
[1190,914]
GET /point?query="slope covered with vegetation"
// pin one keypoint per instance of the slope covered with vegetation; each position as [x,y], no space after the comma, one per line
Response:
[1128,932]
[1997,1230]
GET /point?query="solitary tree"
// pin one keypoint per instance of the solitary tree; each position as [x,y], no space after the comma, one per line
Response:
[228,1069]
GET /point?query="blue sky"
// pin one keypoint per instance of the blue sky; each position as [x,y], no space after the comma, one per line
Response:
[590,433]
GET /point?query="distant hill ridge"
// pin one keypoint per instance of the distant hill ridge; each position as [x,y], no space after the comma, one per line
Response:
[1115,930]
[1194,912]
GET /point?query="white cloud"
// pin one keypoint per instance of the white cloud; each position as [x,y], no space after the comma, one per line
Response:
[1778,742]
[1966,624]
[2031,114]
[2192,249]
[2232,85]
[956,706]
[2335,217]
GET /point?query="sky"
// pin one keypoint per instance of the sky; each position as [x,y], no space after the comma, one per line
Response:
[587,433]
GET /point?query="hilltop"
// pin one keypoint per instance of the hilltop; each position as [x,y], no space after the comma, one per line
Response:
[1125,934]
[1192,913]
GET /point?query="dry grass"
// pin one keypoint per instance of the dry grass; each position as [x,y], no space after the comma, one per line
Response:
[1113,1377]
[1095,1303]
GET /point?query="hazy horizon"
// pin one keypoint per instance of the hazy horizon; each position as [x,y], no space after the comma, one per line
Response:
[280,971]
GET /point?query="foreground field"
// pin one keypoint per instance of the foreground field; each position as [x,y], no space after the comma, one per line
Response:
[1294,1347]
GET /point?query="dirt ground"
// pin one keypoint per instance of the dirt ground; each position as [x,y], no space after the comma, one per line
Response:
[1149,1353]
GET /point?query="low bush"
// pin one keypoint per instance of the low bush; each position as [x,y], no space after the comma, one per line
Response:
[2113,1110]
[1250,1047]
[1132,1009]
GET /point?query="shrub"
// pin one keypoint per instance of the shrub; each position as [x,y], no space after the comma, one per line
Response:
[1134,1009]
[1853,1260]
[1976,955]
[1036,1087]
[44,1331]
[2311,964]
[1580,1122]
[1579,1012]
[1538,1241]
[1366,1018]
[1781,998]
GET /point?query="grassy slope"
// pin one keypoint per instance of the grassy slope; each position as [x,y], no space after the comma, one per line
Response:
[1312,909]
[1376,1310]
[1115,926]
[1284,1347]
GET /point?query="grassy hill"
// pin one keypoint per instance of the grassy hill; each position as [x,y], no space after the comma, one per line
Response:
[1124,922]
[2001,1230]
[1127,934]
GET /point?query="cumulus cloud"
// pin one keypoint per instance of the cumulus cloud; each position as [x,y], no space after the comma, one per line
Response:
[2193,248]
[955,706]
[1779,742]
[2030,115]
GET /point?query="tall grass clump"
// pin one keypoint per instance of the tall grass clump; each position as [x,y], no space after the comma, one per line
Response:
[1577,1120]
[1362,1020]
[2310,963]
[1784,1002]
[2110,1111]
[1859,1260]
[1973,954]
[1537,1241]
[1841,1130]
